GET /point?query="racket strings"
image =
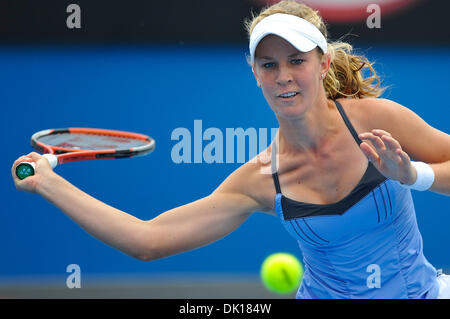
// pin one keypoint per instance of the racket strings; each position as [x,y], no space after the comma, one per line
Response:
[78,141]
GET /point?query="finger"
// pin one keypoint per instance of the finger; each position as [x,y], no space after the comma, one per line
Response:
[23,158]
[403,156]
[35,156]
[390,142]
[379,132]
[370,153]
[375,140]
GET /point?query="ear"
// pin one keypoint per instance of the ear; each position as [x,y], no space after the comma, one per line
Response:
[325,63]
[256,77]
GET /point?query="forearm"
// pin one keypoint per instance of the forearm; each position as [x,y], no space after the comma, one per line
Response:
[441,182]
[108,224]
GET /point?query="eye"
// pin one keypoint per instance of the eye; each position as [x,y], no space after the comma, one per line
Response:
[297,61]
[268,65]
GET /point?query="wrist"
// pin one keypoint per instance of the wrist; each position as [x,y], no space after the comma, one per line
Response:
[46,183]
[411,178]
[424,177]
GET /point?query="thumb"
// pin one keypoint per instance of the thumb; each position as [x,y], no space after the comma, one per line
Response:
[35,156]
[42,161]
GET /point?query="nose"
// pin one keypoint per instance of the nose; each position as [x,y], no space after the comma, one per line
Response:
[284,75]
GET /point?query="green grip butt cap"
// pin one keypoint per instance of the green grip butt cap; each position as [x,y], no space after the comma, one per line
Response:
[24,170]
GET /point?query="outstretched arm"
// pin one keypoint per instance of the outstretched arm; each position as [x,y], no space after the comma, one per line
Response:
[180,229]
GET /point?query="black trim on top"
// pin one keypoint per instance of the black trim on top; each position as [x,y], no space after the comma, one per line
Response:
[293,209]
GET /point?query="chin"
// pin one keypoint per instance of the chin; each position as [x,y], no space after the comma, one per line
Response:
[290,112]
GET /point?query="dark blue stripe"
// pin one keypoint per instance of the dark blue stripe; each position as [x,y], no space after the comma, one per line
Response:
[389,198]
[313,231]
[308,241]
[375,200]
[296,231]
[384,202]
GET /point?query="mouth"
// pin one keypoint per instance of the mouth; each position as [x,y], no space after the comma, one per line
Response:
[288,95]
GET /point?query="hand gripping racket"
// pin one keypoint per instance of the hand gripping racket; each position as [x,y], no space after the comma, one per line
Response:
[81,144]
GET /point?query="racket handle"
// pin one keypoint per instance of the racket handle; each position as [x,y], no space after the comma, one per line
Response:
[25,169]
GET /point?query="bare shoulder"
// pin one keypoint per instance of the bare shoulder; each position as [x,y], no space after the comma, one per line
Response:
[253,182]
[417,138]
[375,113]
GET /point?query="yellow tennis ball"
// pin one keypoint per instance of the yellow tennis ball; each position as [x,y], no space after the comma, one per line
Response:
[281,273]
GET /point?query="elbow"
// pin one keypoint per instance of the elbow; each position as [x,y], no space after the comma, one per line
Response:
[148,246]
[151,254]
[148,254]
[143,257]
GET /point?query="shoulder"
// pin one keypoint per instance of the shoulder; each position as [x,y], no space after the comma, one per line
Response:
[420,140]
[371,113]
[253,182]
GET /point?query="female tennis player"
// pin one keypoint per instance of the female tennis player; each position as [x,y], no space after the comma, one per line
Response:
[344,162]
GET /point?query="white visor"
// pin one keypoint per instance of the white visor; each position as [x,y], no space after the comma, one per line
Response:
[303,35]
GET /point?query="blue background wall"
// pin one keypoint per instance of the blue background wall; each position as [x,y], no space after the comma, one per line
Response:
[154,90]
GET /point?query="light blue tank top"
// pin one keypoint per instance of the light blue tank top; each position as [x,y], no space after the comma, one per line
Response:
[367,245]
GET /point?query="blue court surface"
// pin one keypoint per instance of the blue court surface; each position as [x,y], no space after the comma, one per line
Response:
[155,91]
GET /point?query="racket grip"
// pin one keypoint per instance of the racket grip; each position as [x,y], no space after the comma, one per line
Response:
[25,169]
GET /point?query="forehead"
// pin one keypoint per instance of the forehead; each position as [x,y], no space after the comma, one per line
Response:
[273,45]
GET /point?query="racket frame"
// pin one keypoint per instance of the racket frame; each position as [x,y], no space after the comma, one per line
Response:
[65,155]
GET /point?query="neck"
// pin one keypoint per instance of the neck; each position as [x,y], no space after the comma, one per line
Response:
[308,134]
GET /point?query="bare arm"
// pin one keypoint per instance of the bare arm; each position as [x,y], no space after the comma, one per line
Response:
[199,223]
[180,229]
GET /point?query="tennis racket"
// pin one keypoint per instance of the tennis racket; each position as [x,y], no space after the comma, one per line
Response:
[80,144]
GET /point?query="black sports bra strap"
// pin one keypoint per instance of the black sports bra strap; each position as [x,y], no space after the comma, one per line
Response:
[274,165]
[347,122]
[276,182]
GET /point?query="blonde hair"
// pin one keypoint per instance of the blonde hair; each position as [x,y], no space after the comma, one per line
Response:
[345,76]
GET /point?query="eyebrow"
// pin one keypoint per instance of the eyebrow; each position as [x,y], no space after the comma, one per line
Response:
[289,56]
